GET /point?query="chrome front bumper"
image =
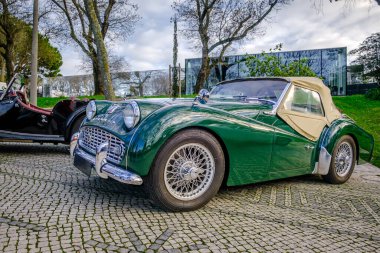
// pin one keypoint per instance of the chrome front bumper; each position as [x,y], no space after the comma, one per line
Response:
[84,162]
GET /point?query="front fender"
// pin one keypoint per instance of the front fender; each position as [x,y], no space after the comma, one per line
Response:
[247,141]
[343,126]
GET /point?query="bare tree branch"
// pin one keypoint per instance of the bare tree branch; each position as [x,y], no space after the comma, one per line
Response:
[215,25]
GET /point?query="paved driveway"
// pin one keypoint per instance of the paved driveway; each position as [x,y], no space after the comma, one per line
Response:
[47,205]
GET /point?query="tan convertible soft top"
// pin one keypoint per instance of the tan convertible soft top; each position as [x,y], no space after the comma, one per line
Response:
[316,84]
[308,125]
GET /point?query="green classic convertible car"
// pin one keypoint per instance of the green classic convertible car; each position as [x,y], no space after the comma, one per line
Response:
[244,131]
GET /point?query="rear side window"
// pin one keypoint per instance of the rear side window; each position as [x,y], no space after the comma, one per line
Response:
[304,101]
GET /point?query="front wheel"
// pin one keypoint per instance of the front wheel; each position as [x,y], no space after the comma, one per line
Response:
[342,161]
[187,171]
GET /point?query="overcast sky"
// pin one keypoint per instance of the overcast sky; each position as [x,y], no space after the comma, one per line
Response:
[298,26]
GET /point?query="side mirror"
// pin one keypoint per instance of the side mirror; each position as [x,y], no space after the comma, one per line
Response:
[203,96]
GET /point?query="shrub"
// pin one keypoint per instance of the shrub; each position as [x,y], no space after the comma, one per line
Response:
[373,94]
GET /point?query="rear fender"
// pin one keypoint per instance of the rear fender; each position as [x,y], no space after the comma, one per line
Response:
[74,116]
[340,127]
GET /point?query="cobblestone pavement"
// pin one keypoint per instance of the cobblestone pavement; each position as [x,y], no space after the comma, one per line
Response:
[48,205]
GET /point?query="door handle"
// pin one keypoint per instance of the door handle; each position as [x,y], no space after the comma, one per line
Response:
[309,147]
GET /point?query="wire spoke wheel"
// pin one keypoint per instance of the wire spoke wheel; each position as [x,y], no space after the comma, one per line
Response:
[189,171]
[343,159]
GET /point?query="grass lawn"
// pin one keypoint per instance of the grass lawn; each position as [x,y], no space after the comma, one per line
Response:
[50,102]
[366,113]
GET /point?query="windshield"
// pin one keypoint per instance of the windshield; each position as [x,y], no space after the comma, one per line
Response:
[250,90]
[5,91]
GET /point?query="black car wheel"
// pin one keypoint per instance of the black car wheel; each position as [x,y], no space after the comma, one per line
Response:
[342,161]
[187,171]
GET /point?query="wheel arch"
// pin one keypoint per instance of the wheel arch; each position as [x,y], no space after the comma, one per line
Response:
[143,148]
[71,121]
[357,149]
[220,141]
[364,141]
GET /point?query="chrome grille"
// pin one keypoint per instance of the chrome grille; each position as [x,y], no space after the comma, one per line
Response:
[92,137]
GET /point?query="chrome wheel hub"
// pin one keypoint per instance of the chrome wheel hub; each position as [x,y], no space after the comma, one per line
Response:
[343,159]
[189,171]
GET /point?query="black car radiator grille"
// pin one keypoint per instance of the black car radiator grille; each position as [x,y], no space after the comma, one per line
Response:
[92,137]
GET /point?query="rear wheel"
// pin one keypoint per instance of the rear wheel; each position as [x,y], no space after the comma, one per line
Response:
[342,161]
[187,172]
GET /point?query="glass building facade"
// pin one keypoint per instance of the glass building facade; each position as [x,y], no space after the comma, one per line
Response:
[329,63]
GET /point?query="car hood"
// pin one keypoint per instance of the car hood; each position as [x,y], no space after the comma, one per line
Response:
[110,114]
[242,108]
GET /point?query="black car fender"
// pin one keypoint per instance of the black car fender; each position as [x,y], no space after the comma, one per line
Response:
[74,116]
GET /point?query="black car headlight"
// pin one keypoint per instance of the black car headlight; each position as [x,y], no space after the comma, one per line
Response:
[91,110]
[131,115]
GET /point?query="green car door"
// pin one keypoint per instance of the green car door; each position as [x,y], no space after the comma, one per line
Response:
[291,154]
[300,121]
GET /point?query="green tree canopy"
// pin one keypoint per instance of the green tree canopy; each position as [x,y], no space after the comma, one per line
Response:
[368,55]
[16,46]
[268,64]
[49,58]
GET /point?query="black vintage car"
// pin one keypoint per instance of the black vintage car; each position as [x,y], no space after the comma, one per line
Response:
[23,122]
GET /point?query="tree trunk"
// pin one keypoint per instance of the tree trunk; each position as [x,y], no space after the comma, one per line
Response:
[9,62]
[98,85]
[141,89]
[3,70]
[204,71]
[34,67]
[101,51]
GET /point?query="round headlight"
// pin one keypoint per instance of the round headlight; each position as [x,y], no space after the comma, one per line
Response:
[131,115]
[91,110]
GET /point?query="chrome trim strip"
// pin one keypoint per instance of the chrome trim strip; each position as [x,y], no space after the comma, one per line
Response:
[279,101]
[9,86]
[117,173]
[277,104]
[323,165]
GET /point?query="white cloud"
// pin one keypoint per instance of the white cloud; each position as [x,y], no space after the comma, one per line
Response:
[298,26]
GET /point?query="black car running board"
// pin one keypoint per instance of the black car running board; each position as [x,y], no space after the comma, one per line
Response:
[7,136]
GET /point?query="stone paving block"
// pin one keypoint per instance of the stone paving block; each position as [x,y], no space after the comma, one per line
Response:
[48,205]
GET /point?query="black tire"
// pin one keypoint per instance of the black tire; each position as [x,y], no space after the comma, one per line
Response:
[156,185]
[76,125]
[335,177]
